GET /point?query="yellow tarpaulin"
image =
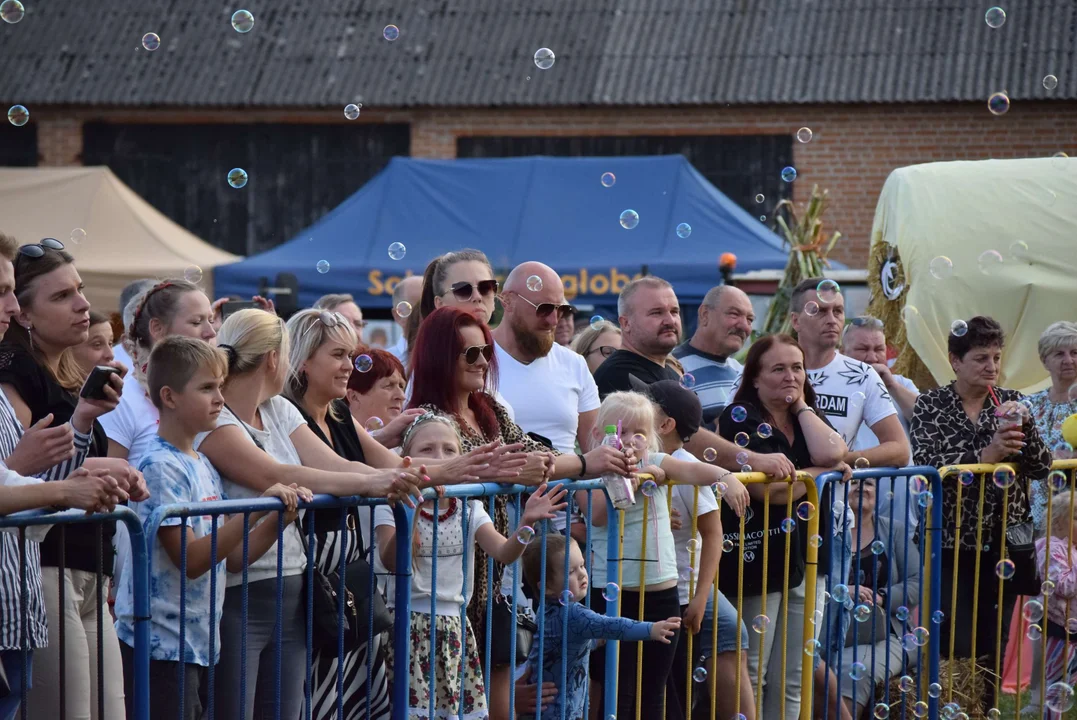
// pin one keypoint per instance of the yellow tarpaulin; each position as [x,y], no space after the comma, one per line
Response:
[126,238]
[966,212]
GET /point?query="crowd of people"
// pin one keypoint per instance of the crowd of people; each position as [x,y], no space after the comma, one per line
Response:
[204,407]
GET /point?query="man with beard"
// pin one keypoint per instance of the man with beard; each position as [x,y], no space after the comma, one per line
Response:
[650,318]
[725,323]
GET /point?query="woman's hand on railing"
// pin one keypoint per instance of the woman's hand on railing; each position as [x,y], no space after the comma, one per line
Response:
[92,491]
[130,479]
[773,465]
[290,495]
[845,470]
[736,494]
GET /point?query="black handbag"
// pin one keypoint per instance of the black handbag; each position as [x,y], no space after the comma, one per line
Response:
[501,630]
[1021,549]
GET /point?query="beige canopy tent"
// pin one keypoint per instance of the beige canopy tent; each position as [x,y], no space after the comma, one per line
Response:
[956,239]
[125,239]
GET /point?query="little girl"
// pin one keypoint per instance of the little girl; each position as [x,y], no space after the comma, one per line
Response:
[432,435]
[635,415]
[1061,608]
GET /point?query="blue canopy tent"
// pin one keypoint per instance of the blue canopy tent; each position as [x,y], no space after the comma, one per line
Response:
[554,210]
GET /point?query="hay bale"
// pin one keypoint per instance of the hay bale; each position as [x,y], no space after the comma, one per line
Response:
[969,687]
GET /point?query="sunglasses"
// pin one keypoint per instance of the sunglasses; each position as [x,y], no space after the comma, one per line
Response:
[471,354]
[545,309]
[37,250]
[866,321]
[464,290]
[606,350]
[328,319]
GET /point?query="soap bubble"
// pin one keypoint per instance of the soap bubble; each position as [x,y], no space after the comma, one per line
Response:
[941,267]
[949,711]
[805,511]
[607,179]
[720,489]
[937,617]
[882,711]
[789,173]
[566,598]
[861,463]
[760,623]
[739,413]
[839,592]
[1032,611]
[524,534]
[759,198]
[958,328]
[1057,480]
[596,321]
[684,230]
[322,267]
[741,439]
[811,308]
[544,58]
[242,21]
[1019,250]
[237,177]
[629,219]
[764,430]
[639,442]
[727,545]
[700,674]
[688,380]
[374,423]
[906,684]
[804,135]
[403,309]
[1047,588]
[391,32]
[902,613]
[534,283]
[989,261]
[1050,82]
[998,103]
[1059,697]
[693,545]
[1004,569]
[649,488]
[351,111]
[921,635]
[812,647]
[994,714]
[151,41]
[828,291]
[789,525]
[364,363]
[12,11]
[857,670]
[192,274]
[710,454]
[862,613]
[815,540]
[1003,477]
[397,251]
[966,477]
[1034,632]
[77,236]
[611,592]
[878,547]
[920,709]
[995,17]
[924,499]
[18,115]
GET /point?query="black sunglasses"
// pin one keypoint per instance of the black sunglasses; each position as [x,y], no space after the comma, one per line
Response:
[463,290]
[867,321]
[471,354]
[544,309]
[37,250]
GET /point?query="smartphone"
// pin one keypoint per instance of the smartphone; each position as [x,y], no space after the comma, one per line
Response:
[236,305]
[94,387]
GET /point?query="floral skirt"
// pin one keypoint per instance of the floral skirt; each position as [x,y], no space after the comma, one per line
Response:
[449,651]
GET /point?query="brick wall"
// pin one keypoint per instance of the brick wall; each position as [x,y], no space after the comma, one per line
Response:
[853,150]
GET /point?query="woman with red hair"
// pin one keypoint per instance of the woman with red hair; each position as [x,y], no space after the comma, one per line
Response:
[454,371]
[376,396]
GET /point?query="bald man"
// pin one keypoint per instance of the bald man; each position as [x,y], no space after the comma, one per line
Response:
[409,291]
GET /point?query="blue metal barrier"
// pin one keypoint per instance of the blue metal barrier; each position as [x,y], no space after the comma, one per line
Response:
[36,518]
[922,490]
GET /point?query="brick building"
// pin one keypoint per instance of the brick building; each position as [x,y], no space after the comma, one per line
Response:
[726,82]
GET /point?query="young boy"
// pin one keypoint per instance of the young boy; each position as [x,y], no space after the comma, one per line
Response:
[584,626]
[184,383]
[678,418]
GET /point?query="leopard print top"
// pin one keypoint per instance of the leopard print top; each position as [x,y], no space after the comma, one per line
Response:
[942,434]
[469,440]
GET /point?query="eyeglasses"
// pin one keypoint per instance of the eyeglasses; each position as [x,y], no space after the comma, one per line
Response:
[464,290]
[37,250]
[471,354]
[606,350]
[544,309]
[328,319]
[867,321]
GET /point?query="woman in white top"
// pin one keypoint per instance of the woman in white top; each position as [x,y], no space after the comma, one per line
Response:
[262,439]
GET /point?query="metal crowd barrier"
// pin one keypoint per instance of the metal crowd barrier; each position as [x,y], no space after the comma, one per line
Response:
[37,518]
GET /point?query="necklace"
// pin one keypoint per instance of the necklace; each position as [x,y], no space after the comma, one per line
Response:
[442,517]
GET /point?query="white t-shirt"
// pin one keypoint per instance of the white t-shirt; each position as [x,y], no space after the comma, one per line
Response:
[661,562]
[453,552]
[850,393]
[119,352]
[280,419]
[134,422]
[684,499]
[865,439]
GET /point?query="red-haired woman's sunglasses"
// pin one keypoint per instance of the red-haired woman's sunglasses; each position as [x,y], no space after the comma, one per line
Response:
[471,354]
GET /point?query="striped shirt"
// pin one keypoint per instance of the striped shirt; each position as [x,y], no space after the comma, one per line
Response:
[10,556]
[717,379]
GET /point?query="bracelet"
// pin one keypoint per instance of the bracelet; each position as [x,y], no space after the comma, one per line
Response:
[583,465]
[803,410]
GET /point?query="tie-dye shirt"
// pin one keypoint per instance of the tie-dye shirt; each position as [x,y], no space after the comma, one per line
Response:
[175,477]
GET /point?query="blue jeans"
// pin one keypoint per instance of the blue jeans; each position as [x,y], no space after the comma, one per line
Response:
[727,623]
[12,661]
